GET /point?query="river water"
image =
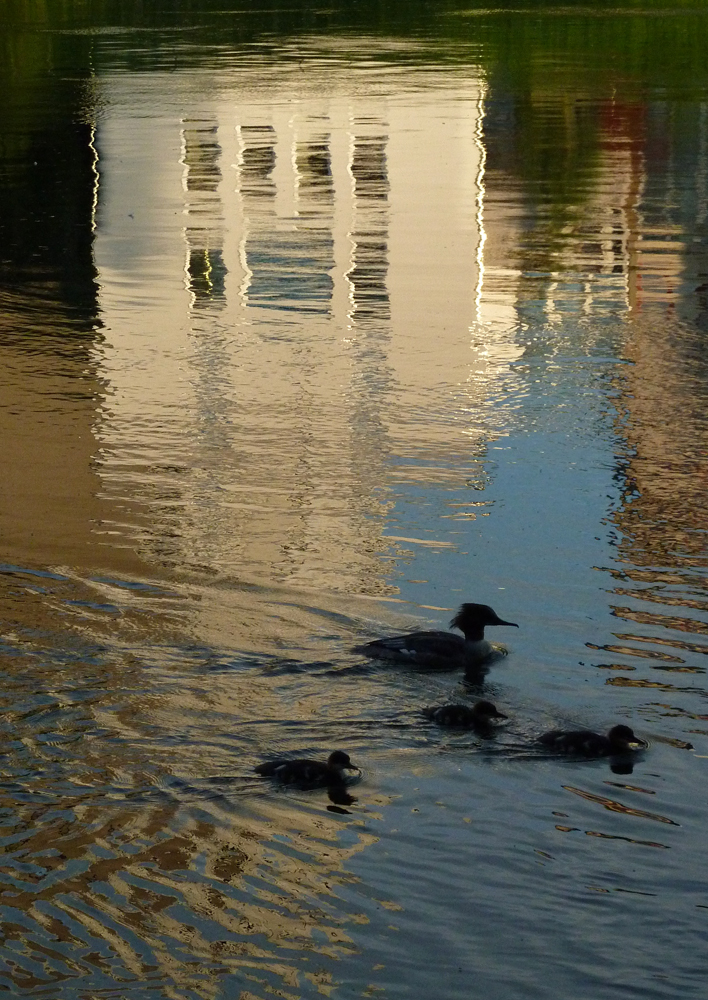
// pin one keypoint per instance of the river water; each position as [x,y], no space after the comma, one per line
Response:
[314,323]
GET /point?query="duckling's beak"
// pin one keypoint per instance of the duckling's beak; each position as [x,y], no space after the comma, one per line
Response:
[637,745]
[500,715]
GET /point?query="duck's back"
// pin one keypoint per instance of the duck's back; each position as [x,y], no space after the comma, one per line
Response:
[582,741]
[450,715]
[300,771]
[419,648]
[270,768]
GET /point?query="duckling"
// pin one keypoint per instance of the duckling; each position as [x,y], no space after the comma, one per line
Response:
[479,716]
[620,739]
[308,773]
[443,649]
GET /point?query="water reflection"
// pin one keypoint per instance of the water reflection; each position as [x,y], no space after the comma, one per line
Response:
[615,806]
[367,274]
[306,231]
[94,891]
[205,266]
[49,320]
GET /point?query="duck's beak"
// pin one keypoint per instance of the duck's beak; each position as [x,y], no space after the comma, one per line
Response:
[499,621]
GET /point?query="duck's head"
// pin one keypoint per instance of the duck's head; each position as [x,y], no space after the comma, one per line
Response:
[622,738]
[339,760]
[485,710]
[472,619]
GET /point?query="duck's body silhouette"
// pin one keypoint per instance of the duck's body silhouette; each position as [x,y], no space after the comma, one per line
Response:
[480,716]
[586,743]
[443,649]
[308,773]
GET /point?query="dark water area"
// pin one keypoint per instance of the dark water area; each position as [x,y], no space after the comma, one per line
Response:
[315,322]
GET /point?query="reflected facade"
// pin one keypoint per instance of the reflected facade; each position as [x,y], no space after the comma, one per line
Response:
[313,359]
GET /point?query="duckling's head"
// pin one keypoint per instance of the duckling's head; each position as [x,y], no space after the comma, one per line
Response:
[472,618]
[338,760]
[623,738]
[486,710]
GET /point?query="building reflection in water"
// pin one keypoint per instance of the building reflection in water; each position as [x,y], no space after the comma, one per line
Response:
[204,231]
[564,245]
[287,256]
[312,351]
[368,272]
[614,244]
[379,261]
[661,394]
[625,248]
[297,250]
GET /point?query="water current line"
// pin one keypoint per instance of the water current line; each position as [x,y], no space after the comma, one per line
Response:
[245,221]
[185,210]
[478,139]
[353,222]
[96,177]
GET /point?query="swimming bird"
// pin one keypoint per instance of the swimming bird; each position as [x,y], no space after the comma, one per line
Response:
[480,716]
[308,773]
[620,739]
[443,649]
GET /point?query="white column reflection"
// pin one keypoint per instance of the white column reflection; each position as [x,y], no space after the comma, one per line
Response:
[334,338]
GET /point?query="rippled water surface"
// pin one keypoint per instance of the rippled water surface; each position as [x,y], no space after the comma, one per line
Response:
[315,323]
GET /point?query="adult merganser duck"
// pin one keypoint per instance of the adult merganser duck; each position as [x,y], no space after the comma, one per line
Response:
[442,649]
[620,739]
[308,773]
[479,716]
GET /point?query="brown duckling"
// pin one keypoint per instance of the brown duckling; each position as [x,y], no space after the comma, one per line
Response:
[308,773]
[620,739]
[482,715]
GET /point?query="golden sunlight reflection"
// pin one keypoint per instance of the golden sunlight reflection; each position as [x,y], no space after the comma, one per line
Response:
[321,350]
